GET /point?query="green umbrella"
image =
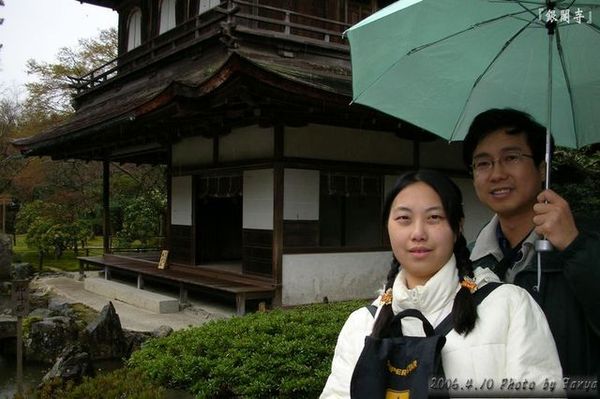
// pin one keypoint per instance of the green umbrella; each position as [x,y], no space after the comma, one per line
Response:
[439,63]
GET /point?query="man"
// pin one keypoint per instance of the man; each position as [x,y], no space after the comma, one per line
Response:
[505,148]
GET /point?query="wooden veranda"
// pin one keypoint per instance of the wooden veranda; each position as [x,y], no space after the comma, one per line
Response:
[210,280]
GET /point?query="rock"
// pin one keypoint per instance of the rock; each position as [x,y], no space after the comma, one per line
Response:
[21,271]
[47,338]
[162,331]
[104,336]
[5,287]
[72,364]
[5,256]
[60,309]
[135,340]
[40,313]
[37,299]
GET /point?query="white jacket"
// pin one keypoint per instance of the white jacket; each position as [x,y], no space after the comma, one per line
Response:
[511,338]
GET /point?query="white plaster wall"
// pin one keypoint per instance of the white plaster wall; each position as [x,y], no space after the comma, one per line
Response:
[181,200]
[250,142]
[258,199]
[345,144]
[301,194]
[441,154]
[192,151]
[307,278]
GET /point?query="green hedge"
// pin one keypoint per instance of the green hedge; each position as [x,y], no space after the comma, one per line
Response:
[282,353]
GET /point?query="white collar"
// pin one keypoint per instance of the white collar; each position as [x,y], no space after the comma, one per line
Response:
[437,292]
[487,242]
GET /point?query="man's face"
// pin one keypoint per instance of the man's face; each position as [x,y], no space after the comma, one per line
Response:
[509,187]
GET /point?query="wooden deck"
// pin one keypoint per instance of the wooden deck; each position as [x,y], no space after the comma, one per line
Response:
[242,287]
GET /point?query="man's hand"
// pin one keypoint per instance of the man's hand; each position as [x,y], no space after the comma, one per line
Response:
[553,219]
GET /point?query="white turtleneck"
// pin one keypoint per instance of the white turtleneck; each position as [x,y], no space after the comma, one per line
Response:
[511,338]
[434,299]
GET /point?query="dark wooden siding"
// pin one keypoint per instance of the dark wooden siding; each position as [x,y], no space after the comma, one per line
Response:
[258,251]
[181,244]
[300,233]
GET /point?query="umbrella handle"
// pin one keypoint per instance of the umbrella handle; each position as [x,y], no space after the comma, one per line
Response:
[543,246]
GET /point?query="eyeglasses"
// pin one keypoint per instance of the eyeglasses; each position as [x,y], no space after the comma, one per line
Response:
[484,164]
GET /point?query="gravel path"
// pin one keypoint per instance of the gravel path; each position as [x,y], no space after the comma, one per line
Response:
[66,288]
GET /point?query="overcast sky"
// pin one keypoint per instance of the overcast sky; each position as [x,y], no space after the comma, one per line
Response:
[39,28]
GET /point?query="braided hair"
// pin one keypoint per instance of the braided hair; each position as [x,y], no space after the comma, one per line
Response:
[464,309]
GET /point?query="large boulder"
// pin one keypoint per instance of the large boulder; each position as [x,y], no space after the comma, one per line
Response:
[104,336]
[5,257]
[46,338]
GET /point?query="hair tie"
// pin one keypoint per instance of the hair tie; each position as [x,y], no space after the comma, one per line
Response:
[386,298]
[469,284]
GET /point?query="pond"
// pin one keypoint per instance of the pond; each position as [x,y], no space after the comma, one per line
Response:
[32,375]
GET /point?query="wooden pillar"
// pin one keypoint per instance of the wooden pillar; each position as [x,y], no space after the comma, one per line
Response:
[106,205]
[169,178]
[278,171]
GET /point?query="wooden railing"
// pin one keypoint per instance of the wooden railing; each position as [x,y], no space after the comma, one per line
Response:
[236,13]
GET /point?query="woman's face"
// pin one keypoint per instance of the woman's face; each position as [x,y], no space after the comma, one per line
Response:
[420,234]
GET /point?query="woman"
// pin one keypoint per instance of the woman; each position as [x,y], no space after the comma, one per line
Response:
[505,337]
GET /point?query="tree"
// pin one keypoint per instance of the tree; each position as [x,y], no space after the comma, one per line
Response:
[1,19]
[576,176]
[53,89]
[11,110]
[138,202]
[62,199]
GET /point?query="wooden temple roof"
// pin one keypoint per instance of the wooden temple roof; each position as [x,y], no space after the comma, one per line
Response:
[231,76]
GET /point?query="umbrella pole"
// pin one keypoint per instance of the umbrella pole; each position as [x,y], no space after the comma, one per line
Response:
[544,245]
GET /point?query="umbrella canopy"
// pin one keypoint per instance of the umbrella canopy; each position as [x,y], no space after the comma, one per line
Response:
[437,64]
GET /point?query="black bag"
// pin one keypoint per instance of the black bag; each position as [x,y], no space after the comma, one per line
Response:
[402,367]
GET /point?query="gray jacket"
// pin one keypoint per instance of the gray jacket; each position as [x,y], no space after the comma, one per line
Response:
[569,294]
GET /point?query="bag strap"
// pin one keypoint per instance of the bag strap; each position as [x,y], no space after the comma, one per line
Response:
[396,325]
[478,296]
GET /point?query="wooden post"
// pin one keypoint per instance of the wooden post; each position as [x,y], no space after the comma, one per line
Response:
[278,177]
[106,205]
[20,356]
[20,300]
[169,183]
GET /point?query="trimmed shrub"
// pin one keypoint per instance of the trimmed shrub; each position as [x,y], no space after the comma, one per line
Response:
[282,353]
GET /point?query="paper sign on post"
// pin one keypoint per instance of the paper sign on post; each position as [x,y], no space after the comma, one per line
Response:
[162,263]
